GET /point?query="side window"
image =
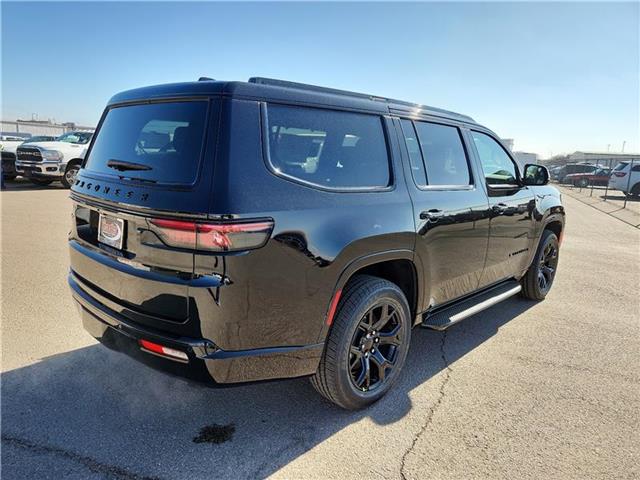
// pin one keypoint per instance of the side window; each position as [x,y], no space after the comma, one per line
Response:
[635,168]
[444,155]
[415,156]
[498,167]
[327,148]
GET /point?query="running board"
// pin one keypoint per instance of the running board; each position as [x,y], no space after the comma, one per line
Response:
[443,319]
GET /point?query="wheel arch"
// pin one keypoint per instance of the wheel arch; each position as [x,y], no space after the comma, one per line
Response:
[396,266]
[73,161]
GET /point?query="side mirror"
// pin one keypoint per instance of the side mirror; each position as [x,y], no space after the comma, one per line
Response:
[535,175]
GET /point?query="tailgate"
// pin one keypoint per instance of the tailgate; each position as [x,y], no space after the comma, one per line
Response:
[143,281]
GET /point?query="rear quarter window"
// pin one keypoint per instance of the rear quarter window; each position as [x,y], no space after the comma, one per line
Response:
[326,148]
[161,142]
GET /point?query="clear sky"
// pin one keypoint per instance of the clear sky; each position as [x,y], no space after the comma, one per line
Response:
[556,77]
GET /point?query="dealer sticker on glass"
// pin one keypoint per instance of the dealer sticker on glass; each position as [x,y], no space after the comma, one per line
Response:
[111,231]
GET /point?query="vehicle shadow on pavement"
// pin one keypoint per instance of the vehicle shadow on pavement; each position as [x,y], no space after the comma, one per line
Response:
[620,198]
[23,185]
[105,413]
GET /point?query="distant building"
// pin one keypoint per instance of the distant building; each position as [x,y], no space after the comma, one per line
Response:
[595,157]
[27,128]
[508,142]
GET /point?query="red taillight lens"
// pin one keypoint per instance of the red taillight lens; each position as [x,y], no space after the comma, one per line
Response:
[163,351]
[217,237]
[619,174]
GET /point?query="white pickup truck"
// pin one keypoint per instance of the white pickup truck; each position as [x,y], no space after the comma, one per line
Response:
[45,162]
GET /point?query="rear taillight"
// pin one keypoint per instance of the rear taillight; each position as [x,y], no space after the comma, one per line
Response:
[620,174]
[216,237]
[163,351]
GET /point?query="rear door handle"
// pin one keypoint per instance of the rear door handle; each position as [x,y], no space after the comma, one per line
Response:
[432,214]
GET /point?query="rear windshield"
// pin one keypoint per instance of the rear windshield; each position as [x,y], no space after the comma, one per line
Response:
[159,142]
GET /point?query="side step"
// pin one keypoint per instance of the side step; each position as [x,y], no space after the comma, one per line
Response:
[443,319]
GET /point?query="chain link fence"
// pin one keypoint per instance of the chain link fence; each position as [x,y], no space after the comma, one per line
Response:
[603,175]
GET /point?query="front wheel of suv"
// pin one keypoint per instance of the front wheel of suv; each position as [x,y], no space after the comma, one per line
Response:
[367,345]
[538,280]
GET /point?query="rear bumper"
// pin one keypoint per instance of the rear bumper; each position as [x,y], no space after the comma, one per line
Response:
[207,363]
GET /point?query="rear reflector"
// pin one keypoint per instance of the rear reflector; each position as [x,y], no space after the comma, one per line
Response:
[163,351]
[216,237]
[333,307]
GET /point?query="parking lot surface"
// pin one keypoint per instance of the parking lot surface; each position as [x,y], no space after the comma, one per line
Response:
[522,390]
[611,202]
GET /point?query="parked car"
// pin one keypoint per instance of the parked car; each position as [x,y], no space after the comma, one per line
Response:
[40,138]
[286,230]
[8,146]
[8,165]
[49,161]
[599,177]
[575,168]
[626,178]
[553,171]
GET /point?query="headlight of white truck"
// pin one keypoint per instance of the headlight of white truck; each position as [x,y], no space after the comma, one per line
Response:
[54,155]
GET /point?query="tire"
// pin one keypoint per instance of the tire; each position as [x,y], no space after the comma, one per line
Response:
[538,280]
[635,190]
[582,183]
[353,344]
[40,181]
[69,176]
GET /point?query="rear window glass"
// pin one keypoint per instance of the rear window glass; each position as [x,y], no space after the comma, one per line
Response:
[444,155]
[328,148]
[621,166]
[160,142]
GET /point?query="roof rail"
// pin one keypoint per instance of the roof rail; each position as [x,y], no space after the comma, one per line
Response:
[314,88]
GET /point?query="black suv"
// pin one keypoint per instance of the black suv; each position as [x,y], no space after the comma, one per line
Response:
[240,231]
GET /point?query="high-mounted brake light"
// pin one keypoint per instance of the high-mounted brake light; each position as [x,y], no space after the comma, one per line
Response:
[217,237]
[163,351]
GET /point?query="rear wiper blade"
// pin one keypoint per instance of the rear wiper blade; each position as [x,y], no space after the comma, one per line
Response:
[124,166]
[136,179]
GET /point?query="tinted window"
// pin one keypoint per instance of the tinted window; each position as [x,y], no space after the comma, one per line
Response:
[328,148]
[496,164]
[620,166]
[415,156]
[444,155]
[163,139]
[76,137]
[635,168]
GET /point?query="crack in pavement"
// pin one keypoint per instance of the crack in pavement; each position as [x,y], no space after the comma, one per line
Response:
[432,410]
[88,462]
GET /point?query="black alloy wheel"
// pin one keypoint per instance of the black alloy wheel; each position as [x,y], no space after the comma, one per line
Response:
[374,347]
[367,344]
[538,280]
[547,267]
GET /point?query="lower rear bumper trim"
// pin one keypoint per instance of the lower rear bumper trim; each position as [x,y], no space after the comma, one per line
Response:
[207,362]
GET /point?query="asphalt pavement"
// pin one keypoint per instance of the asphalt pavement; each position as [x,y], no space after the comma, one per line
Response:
[522,390]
